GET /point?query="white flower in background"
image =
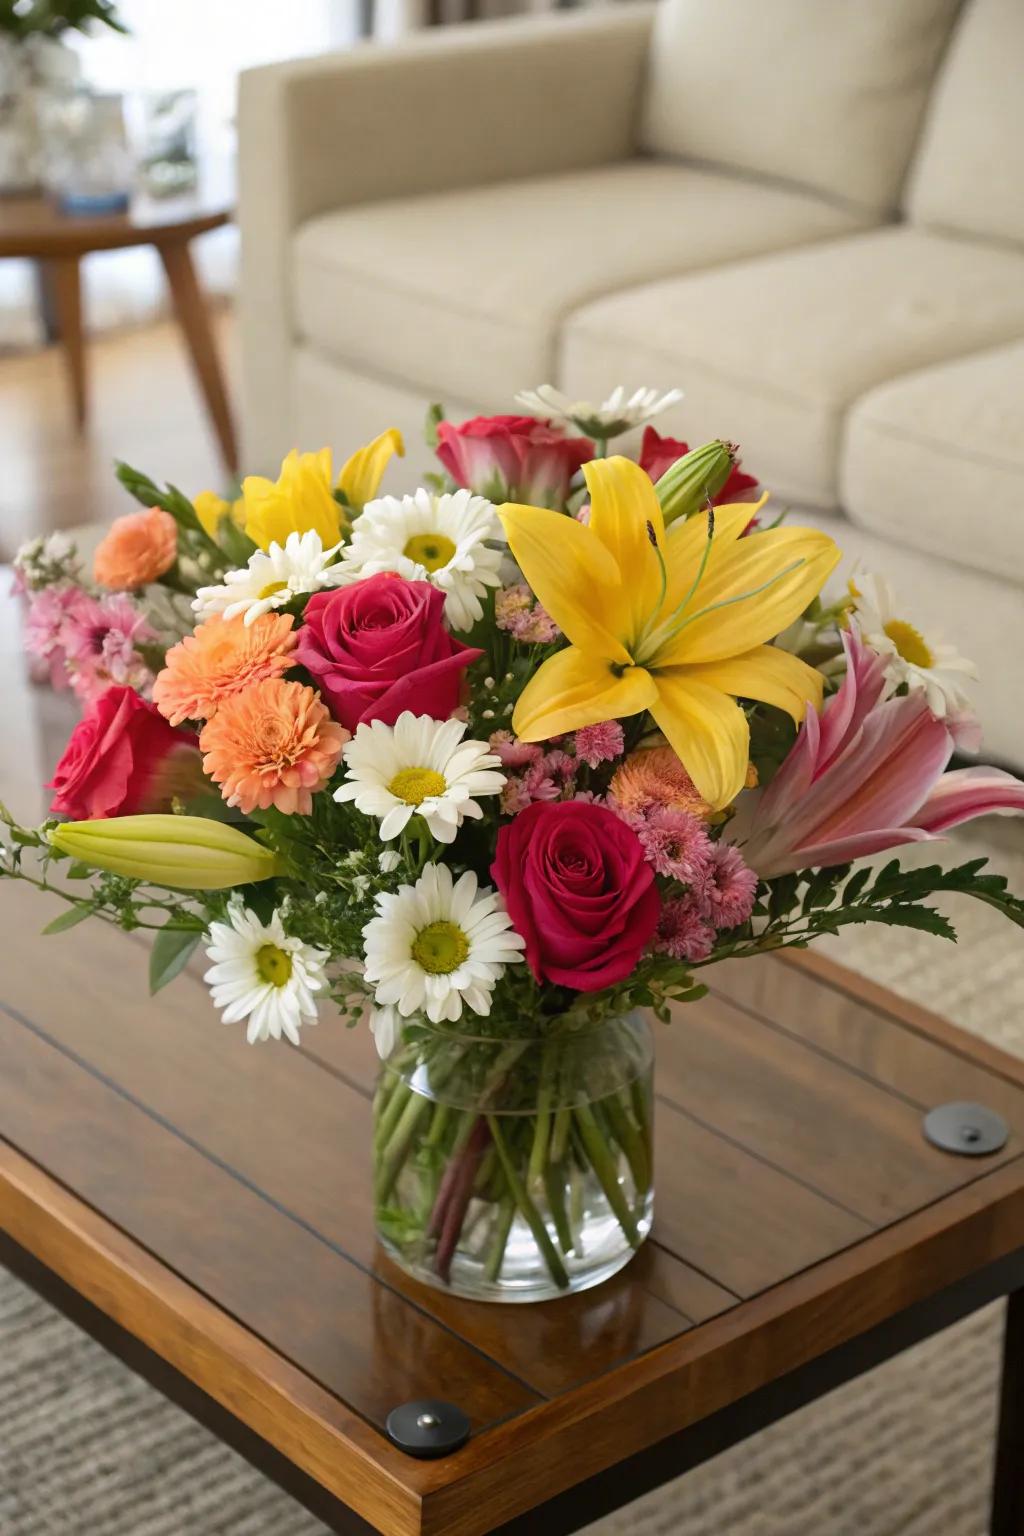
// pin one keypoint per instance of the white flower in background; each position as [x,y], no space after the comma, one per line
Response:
[389,861]
[613,416]
[910,658]
[261,974]
[418,767]
[272,578]
[386,1028]
[445,540]
[43,561]
[435,946]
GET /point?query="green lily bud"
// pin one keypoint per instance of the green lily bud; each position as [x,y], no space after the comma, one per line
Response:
[186,853]
[685,487]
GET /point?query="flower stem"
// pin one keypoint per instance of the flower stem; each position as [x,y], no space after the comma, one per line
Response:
[530,1213]
[504,1217]
[603,1164]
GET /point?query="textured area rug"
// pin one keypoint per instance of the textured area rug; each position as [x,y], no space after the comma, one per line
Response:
[86,1449]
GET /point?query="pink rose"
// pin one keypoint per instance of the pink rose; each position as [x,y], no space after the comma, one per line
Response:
[123,758]
[379,647]
[579,890]
[512,458]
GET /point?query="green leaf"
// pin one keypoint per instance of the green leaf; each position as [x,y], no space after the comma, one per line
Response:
[435,415]
[71,918]
[855,885]
[171,950]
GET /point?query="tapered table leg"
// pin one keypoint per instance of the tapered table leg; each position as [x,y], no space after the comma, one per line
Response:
[1008,1489]
[194,321]
[65,288]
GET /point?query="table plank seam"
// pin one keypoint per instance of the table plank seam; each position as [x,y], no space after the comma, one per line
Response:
[767,1162]
[1007,1068]
[817,1049]
[282,1210]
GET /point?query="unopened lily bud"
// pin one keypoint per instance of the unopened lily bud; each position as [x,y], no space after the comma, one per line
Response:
[691,481]
[185,853]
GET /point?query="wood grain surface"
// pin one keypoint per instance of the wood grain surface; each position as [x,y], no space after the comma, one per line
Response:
[214,1197]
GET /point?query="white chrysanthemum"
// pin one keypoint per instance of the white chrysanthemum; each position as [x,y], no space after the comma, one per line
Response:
[613,416]
[262,974]
[909,657]
[272,578]
[446,540]
[418,767]
[435,946]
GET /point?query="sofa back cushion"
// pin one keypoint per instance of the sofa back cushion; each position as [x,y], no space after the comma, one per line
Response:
[826,93]
[969,171]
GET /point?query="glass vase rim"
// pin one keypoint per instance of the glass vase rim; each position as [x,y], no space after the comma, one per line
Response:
[450,1031]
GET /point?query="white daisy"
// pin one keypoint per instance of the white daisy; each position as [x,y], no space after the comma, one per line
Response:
[261,974]
[418,767]
[436,945]
[446,540]
[272,578]
[613,416]
[910,658]
[386,1028]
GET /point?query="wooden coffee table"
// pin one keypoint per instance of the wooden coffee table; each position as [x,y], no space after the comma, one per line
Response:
[202,1207]
[35,228]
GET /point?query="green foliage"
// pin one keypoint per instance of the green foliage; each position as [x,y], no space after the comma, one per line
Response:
[172,949]
[51,18]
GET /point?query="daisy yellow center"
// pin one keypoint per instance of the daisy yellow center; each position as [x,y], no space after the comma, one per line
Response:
[910,643]
[272,589]
[431,550]
[274,964]
[440,948]
[414,785]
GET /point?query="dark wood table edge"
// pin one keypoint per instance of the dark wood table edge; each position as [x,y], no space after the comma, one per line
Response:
[644,1471]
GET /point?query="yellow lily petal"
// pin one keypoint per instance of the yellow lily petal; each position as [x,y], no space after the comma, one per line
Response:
[573,577]
[210,508]
[299,501]
[687,541]
[573,689]
[708,732]
[768,609]
[623,502]
[766,673]
[361,474]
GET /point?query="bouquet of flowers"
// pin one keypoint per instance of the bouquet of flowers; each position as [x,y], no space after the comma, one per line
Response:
[500,766]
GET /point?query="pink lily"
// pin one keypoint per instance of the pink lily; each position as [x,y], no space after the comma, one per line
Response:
[864,776]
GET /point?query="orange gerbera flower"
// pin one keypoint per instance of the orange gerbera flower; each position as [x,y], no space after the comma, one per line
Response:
[274,744]
[221,658]
[653,777]
[139,548]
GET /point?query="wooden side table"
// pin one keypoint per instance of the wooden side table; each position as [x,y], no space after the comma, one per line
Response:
[35,228]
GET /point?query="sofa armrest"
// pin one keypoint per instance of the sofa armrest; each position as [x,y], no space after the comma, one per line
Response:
[453,107]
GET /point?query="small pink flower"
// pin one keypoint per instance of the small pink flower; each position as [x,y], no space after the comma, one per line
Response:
[100,639]
[514,797]
[560,765]
[599,743]
[682,931]
[539,784]
[677,844]
[517,611]
[46,627]
[514,753]
[726,895]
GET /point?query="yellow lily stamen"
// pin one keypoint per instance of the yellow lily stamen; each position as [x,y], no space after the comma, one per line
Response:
[618,589]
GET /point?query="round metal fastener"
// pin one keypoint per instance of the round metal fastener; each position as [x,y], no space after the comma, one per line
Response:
[972,1130]
[427,1428]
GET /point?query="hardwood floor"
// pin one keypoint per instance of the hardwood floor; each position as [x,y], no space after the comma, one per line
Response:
[145,408]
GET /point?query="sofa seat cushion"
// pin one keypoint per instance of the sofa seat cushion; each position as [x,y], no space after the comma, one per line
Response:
[462,293]
[936,461]
[774,351]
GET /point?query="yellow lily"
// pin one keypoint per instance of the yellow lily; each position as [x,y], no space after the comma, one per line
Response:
[299,500]
[212,509]
[302,497]
[361,474]
[669,621]
[183,852]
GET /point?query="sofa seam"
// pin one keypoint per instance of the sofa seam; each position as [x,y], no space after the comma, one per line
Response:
[939,445]
[687,360]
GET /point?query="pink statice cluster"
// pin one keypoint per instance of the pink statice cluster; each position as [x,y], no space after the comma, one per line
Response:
[517,611]
[549,770]
[88,643]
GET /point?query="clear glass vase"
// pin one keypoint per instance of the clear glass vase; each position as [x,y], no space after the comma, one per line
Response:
[515,1169]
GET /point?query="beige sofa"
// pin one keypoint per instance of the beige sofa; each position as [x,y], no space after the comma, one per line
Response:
[809,214]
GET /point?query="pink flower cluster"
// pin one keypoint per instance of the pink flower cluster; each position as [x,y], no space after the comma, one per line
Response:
[517,611]
[547,771]
[720,896]
[88,643]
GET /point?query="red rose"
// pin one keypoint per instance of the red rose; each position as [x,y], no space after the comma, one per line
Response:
[579,890]
[379,647]
[512,458]
[122,759]
[658,454]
